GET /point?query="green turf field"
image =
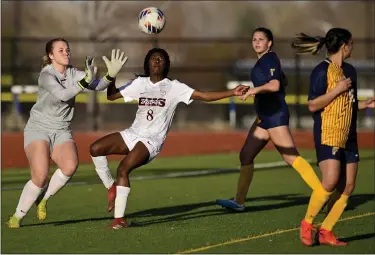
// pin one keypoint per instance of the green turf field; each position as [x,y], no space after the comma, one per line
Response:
[179,215]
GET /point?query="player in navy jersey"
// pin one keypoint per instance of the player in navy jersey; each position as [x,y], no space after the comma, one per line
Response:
[272,122]
[333,102]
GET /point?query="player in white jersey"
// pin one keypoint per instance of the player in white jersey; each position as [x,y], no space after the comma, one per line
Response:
[48,133]
[157,98]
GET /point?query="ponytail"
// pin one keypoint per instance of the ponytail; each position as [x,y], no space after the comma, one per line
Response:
[45,61]
[305,44]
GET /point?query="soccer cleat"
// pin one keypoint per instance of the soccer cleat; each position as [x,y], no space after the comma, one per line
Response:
[111,197]
[41,210]
[14,222]
[230,204]
[119,223]
[306,233]
[327,237]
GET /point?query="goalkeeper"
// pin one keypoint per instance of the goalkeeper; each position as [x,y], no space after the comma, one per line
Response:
[48,133]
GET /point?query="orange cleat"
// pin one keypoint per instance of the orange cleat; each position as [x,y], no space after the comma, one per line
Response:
[327,237]
[111,197]
[306,233]
[119,223]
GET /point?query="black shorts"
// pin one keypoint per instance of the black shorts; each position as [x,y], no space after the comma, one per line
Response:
[276,120]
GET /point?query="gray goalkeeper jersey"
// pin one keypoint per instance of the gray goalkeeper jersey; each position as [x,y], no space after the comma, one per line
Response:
[54,108]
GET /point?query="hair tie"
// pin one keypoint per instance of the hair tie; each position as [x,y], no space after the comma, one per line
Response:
[321,39]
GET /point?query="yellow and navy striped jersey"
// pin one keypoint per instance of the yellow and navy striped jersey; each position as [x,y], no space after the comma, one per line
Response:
[336,123]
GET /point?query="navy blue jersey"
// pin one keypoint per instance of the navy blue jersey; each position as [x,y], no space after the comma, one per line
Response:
[266,69]
[322,80]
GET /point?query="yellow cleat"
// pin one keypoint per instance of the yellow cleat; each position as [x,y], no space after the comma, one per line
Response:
[41,210]
[14,222]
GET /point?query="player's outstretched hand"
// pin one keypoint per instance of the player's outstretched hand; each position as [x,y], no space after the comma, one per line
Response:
[117,61]
[90,69]
[249,92]
[240,90]
[370,102]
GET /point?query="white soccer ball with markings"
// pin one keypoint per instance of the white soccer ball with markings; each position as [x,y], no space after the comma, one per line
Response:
[151,20]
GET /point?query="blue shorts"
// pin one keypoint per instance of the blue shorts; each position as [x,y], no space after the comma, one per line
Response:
[276,120]
[345,156]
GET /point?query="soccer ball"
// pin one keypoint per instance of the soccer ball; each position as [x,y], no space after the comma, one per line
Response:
[151,20]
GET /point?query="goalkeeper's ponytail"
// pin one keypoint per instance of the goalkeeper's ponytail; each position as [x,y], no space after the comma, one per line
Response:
[45,61]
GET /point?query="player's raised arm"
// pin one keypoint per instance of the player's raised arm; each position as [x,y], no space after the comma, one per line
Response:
[214,96]
[118,59]
[113,93]
[129,91]
[49,82]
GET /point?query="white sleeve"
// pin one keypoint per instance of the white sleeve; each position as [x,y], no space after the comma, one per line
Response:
[183,92]
[131,90]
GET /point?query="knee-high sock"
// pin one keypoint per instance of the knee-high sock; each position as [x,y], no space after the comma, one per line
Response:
[307,173]
[317,200]
[58,180]
[335,213]
[244,181]
[28,196]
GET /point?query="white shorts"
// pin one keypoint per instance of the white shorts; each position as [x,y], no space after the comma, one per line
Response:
[131,139]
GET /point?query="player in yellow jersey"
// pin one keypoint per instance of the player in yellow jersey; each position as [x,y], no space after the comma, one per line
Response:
[333,102]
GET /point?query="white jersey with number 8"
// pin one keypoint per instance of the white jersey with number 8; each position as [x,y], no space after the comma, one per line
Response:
[157,103]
